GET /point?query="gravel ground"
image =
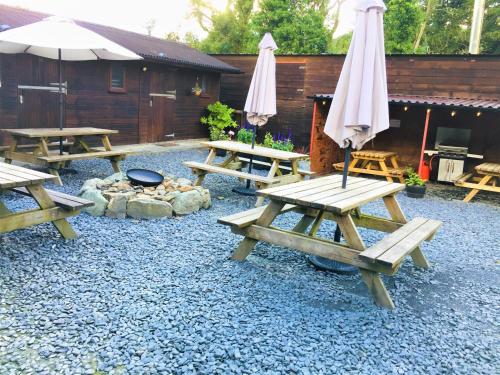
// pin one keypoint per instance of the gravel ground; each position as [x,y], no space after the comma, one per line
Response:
[161,296]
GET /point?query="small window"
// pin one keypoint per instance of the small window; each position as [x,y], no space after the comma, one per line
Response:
[117,78]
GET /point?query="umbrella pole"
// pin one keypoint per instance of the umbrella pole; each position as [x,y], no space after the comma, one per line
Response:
[325,263]
[247,190]
[251,156]
[60,102]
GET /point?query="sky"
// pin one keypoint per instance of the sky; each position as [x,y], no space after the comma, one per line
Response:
[134,15]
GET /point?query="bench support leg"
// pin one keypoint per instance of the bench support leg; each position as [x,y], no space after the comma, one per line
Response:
[473,192]
[272,210]
[374,282]
[303,224]
[4,211]
[200,178]
[116,166]
[44,201]
[398,216]
[55,172]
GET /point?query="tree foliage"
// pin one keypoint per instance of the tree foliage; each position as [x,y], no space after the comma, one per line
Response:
[401,24]
[298,26]
[228,31]
[308,26]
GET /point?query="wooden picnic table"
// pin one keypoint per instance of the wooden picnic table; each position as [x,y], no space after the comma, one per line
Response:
[44,147]
[54,206]
[484,177]
[232,163]
[324,199]
[376,163]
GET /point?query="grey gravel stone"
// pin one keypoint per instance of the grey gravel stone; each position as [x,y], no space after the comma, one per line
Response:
[143,296]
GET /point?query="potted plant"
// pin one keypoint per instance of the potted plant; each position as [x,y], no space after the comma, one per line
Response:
[219,118]
[415,186]
[279,143]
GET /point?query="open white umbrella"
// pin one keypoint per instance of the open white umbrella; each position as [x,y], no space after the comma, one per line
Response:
[62,39]
[261,99]
[360,107]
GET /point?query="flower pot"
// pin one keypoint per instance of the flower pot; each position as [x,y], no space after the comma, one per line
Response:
[415,191]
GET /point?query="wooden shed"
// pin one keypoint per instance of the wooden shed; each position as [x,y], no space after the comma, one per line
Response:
[454,87]
[147,101]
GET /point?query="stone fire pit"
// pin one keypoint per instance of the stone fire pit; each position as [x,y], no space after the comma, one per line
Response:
[116,197]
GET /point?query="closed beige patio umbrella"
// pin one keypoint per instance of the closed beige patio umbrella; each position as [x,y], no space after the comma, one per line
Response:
[359,108]
[261,99]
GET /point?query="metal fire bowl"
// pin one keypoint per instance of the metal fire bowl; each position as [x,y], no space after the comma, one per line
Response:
[144,177]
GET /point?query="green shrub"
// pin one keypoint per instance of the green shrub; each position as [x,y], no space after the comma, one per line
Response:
[268,140]
[413,178]
[218,119]
[244,136]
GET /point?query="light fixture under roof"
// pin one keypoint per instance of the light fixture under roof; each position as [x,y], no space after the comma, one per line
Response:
[4,27]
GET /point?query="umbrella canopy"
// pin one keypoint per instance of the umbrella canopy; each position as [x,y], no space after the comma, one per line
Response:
[45,38]
[360,107]
[261,100]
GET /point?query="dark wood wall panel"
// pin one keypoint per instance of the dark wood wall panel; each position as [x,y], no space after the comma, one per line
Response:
[89,102]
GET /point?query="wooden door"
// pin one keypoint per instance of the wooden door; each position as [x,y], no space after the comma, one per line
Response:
[161,105]
[37,108]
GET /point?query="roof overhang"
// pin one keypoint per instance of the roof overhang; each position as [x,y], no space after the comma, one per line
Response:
[435,101]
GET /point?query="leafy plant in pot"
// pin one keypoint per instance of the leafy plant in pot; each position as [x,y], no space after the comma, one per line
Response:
[219,118]
[415,186]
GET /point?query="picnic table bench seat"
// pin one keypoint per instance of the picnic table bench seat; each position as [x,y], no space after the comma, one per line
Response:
[69,157]
[210,168]
[394,248]
[65,201]
[282,167]
[33,146]
[393,172]
[375,163]
[249,217]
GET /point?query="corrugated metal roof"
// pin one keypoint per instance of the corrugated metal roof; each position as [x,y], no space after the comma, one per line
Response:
[151,48]
[438,101]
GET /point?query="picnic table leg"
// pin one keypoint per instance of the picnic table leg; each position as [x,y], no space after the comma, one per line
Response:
[54,170]
[272,210]
[384,168]
[473,192]
[115,164]
[44,201]
[272,172]
[395,165]
[372,279]
[4,211]
[12,148]
[376,286]
[303,224]
[398,216]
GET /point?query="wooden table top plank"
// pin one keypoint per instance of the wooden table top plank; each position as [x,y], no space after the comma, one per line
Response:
[374,154]
[298,186]
[15,168]
[55,132]
[354,191]
[329,190]
[492,168]
[14,176]
[357,201]
[257,150]
[327,194]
